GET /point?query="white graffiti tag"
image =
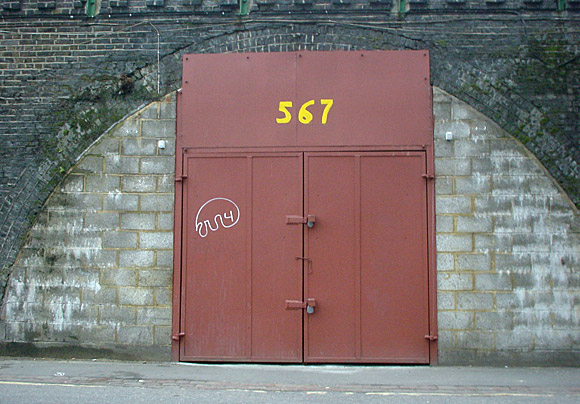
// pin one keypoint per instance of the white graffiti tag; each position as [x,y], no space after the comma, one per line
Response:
[228,219]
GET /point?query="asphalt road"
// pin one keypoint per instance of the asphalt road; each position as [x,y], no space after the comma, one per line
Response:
[73,382]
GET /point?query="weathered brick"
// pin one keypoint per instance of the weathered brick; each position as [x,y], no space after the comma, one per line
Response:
[162,335]
[135,296]
[101,220]
[138,221]
[157,202]
[453,281]
[120,239]
[89,164]
[493,282]
[155,277]
[453,166]
[139,183]
[135,335]
[157,165]
[474,301]
[154,316]
[156,240]
[453,204]
[116,315]
[451,242]
[474,184]
[136,258]
[479,223]
[115,164]
[118,277]
[476,339]
[158,128]
[473,262]
[122,202]
[139,147]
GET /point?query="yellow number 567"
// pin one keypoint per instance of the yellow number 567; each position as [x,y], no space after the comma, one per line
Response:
[304,116]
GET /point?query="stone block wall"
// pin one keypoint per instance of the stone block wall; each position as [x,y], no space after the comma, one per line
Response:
[95,275]
[508,248]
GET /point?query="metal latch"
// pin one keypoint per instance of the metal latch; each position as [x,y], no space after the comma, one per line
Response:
[309,305]
[176,337]
[431,337]
[308,220]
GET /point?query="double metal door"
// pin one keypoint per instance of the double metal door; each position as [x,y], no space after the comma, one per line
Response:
[304,257]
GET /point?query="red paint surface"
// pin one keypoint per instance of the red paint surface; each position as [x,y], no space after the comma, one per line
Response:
[368,261]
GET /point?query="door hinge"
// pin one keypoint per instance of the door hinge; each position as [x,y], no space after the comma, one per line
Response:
[176,337]
[180,178]
[431,337]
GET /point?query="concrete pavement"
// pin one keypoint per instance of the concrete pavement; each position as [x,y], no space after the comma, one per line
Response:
[380,381]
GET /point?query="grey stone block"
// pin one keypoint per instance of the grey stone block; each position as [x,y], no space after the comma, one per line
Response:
[167,110]
[162,335]
[452,242]
[479,223]
[459,130]
[496,205]
[474,301]
[107,145]
[493,282]
[138,221]
[510,185]
[121,202]
[444,148]
[494,321]
[73,183]
[129,128]
[453,166]
[474,184]
[165,221]
[139,147]
[135,335]
[453,204]
[442,111]
[115,164]
[513,224]
[444,224]
[524,166]
[82,202]
[470,147]
[455,320]
[165,259]
[104,295]
[445,262]
[505,147]
[166,184]
[493,242]
[157,202]
[116,315]
[163,296]
[443,185]
[120,239]
[476,339]
[139,183]
[156,240]
[513,262]
[89,164]
[454,281]
[136,258]
[102,220]
[157,165]
[135,296]
[158,129]
[524,242]
[154,316]
[156,277]
[118,277]
[445,300]
[509,340]
[490,165]
[473,262]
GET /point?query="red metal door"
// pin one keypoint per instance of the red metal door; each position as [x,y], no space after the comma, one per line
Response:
[369,258]
[239,258]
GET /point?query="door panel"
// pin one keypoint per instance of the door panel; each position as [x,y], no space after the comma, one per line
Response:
[364,261]
[369,258]
[237,246]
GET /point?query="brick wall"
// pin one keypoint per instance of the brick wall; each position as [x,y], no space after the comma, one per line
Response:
[65,78]
[94,277]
